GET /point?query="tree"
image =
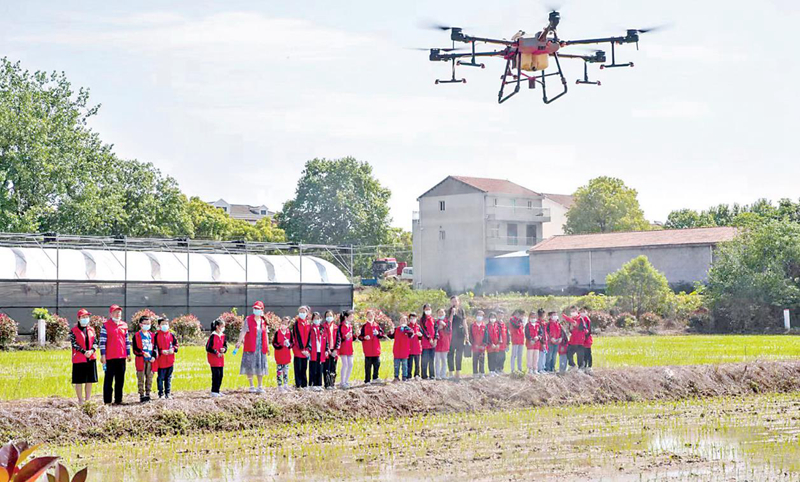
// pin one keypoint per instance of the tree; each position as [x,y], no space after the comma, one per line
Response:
[686,218]
[337,202]
[210,222]
[754,214]
[755,276]
[639,286]
[605,205]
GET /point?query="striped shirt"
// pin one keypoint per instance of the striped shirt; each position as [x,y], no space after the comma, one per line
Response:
[104,337]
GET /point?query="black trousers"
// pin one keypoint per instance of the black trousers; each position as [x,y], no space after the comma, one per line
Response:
[413,365]
[574,351]
[164,380]
[300,372]
[477,362]
[372,364]
[315,372]
[500,361]
[587,357]
[329,372]
[427,363]
[216,379]
[455,356]
[114,381]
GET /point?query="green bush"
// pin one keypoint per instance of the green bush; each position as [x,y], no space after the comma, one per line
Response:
[171,422]
[56,328]
[680,306]
[638,286]
[136,319]
[649,320]
[233,325]
[594,302]
[8,330]
[186,328]
[701,320]
[394,297]
[601,320]
[625,321]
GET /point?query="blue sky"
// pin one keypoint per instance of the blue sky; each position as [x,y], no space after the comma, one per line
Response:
[231,98]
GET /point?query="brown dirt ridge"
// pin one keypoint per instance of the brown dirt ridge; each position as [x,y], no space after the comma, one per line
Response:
[61,420]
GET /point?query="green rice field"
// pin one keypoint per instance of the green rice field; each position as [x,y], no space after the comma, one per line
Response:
[25,374]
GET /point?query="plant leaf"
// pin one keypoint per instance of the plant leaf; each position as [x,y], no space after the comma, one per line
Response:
[9,455]
[27,451]
[62,474]
[4,475]
[81,475]
[33,469]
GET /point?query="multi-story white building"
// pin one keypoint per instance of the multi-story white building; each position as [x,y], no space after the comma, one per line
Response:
[462,221]
[251,214]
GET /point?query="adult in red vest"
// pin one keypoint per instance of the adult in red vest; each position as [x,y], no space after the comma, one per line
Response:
[115,350]
[370,336]
[477,334]
[84,356]
[317,348]
[346,336]
[255,338]
[334,343]
[300,330]
[428,327]
[414,346]
[588,340]
[553,337]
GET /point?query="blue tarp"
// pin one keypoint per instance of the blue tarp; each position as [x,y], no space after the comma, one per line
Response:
[508,266]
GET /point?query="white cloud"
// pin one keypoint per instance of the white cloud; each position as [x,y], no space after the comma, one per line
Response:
[672,109]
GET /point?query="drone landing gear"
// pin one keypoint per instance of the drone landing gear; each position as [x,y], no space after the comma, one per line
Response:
[509,72]
[453,79]
[614,60]
[472,63]
[586,76]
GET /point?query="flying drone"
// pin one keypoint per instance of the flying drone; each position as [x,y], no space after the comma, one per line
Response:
[528,57]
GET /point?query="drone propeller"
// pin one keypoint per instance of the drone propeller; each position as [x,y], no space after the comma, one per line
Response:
[456,49]
[655,28]
[435,26]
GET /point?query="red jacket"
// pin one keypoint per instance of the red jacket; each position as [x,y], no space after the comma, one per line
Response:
[587,341]
[504,337]
[345,345]
[165,341]
[86,343]
[138,352]
[415,344]
[283,354]
[577,333]
[562,348]
[493,339]
[116,340]
[553,331]
[334,342]
[372,347]
[300,331]
[445,334]
[533,331]
[402,340]
[477,334]
[517,330]
[317,335]
[250,342]
[428,327]
[216,346]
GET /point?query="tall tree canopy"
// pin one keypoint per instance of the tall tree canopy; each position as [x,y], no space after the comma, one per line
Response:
[604,205]
[56,175]
[337,201]
[746,215]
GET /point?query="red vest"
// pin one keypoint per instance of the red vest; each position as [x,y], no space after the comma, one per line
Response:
[553,330]
[414,344]
[429,330]
[346,346]
[517,332]
[79,357]
[300,336]
[372,347]
[283,355]
[587,341]
[445,335]
[217,341]
[532,330]
[495,335]
[137,341]
[250,342]
[331,329]
[317,334]
[116,339]
[577,333]
[402,342]
[478,331]
[164,341]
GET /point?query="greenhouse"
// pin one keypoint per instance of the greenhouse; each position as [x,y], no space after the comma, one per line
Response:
[173,276]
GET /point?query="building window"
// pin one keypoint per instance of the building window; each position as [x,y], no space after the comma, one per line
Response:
[495,201]
[224,209]
[511,232]
[441,205]
[530,204]
[263,212]
[494,230]
[441,235]
[530,234]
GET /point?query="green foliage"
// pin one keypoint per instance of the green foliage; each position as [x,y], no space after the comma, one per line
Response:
[394,298]
[16,465]
[263,409]
[171,422]
[233,325]
[594,302]
[600,320]
[756,276]
[649,320]
[41,313]
[186,328]
[211,222]
[56,327]
[625,321]
[751,215]
[8,330]
[639,286]
[678,307]
[605,205]
[337,202]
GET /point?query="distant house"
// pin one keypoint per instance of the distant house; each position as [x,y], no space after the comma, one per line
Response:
[463,221]
[251,214]
[582,262]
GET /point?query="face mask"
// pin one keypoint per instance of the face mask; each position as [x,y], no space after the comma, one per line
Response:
[117,319]
[316,322]
[84,321]
[164,328]
[221,330]
[302,315]
[258,312]
[402,323]
[412,320]
[428,312]
[145,327]
[554,318]
[328,319]
[479,318]
[441,317]
[573,314]
[492,320]
[524,319]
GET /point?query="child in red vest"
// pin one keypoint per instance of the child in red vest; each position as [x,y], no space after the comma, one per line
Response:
[346,337]
[492,341]
[563,343]
[300,329]
[317,349]
[143,351]
[587,342]
[84,356]
[216,346]
[282,342]
[414,347]
[505,342]
[516,328]
[477,334]
[370,336]
[165,347]
[428,327]
[553,338]
[444,333]
[402,345]
[577,337]
[331,332]
[533,343]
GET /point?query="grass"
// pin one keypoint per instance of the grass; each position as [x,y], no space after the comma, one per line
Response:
[27,374]
[753,438]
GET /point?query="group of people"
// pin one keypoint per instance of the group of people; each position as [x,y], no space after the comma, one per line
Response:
[426,346]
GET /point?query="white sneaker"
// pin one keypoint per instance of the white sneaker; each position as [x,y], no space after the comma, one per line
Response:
[253,390]
[214,395]
[260,390]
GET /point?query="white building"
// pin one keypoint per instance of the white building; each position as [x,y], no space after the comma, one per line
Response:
[251,214]
[462,221]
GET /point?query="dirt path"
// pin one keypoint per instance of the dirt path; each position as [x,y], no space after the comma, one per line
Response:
[58,419]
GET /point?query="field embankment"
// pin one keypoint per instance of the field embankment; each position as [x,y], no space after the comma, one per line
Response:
[59,419]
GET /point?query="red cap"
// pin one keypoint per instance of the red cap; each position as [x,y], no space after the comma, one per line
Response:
[114,308]
[83,312]
[258,305]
